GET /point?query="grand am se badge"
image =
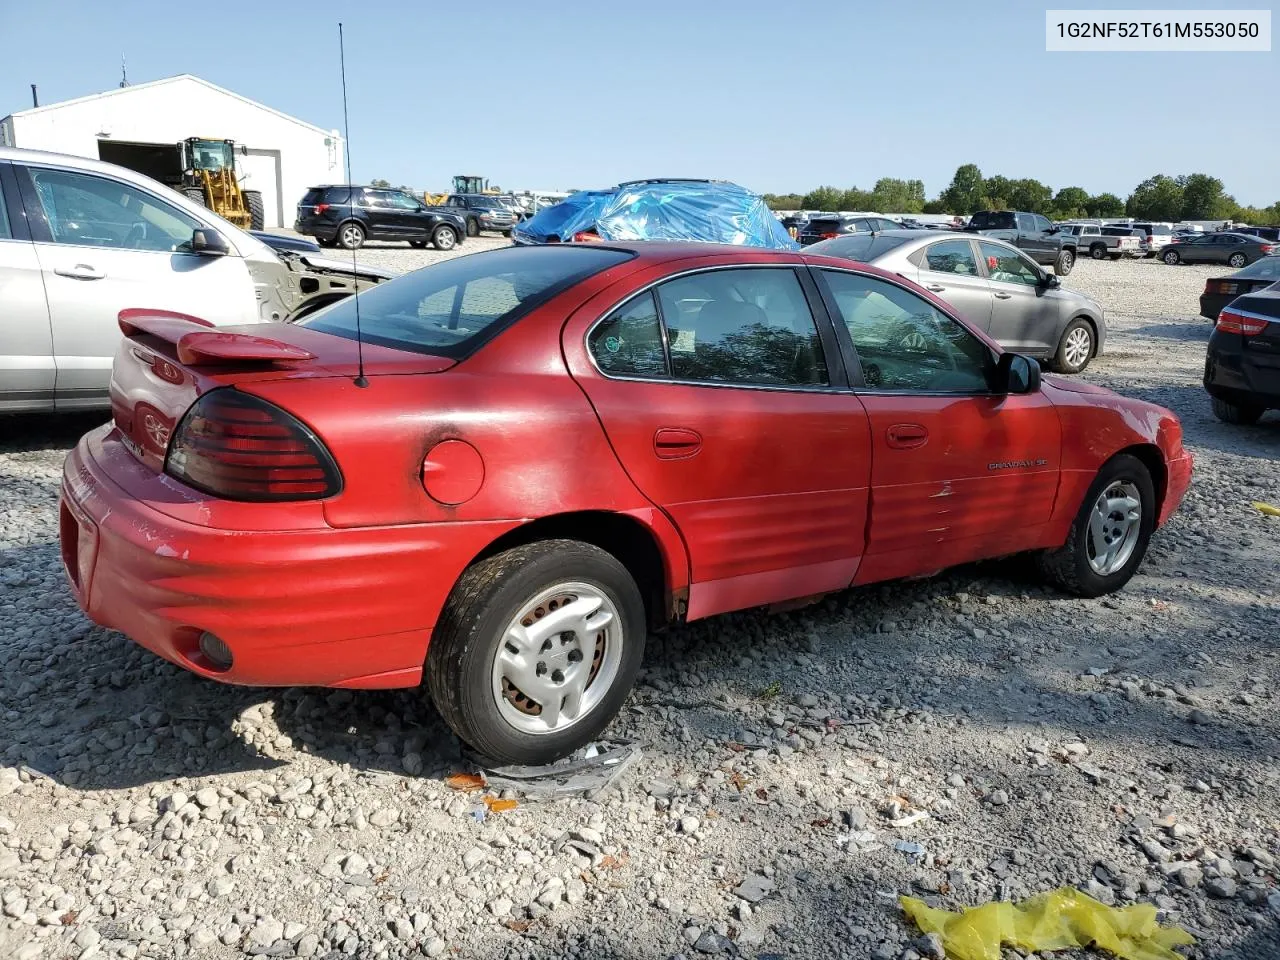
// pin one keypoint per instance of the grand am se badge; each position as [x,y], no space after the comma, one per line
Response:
[1017,464]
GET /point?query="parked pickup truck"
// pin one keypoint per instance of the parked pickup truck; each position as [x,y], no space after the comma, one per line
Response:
[1092,241]
[1030,232]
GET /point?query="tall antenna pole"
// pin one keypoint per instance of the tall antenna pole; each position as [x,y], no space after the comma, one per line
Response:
[361,380]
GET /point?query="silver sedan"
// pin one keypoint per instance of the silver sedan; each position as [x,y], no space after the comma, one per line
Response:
[993,285]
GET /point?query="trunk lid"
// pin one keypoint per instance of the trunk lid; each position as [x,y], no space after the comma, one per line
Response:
[166,361]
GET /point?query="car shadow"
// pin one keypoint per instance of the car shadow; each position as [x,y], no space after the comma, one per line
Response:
[25,432]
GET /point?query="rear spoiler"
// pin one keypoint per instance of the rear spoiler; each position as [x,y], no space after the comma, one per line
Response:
[200,344]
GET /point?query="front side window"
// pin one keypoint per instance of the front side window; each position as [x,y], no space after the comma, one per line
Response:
[747,326]
[905,344]
[1042,223]
[401,201]
[90,211]
[629,342]
[1026,223]
[951,256]
[1008,266]
[5,231]
[453,307]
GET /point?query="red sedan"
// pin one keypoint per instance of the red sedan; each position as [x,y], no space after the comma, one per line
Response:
[556,449]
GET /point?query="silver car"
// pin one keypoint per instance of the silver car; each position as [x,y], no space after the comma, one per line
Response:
[993,285]
[81,240]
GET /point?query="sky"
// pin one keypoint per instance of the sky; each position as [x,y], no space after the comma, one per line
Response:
[779,96]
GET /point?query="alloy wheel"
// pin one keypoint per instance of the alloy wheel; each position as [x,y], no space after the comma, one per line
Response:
[1078,347]
[558,659]
[1114,527]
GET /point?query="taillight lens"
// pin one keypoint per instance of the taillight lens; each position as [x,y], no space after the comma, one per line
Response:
[1267,248]
[587,236]
[238,447]
[1220,286]
[1231,321]
[320,208]
[828,236]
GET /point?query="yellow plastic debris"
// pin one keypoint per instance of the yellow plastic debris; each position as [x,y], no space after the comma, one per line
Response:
[1059,920]
[1267,509]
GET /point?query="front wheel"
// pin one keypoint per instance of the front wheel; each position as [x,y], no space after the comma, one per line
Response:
[1240,414]
[1171,257]
[1066,260]
[1075,349]
[444,238]
[473,228]
[1238,260]
[1110,534]
[536,650]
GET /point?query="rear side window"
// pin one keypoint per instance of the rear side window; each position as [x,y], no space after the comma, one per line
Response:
[338,195]
[452,308]
[951,256]
[629,342]
[5,232]
[747,326]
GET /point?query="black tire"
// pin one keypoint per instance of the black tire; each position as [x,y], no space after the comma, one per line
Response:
[1237,260]
[257,211]
[1066,359]
[350,236]
[473,227]
[444,238]
[1068,566]
[506,233]
[1240,414]
[470,634]
[194,194]
[1066,260]
[1098,251]
[1171,257]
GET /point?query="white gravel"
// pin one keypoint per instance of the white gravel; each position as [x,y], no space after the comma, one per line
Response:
[1126,745]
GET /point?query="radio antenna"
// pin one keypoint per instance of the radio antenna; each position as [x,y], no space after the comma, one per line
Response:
[361,380]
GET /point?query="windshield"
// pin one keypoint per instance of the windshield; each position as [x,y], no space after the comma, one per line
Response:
[211,154]
[863,247]
[452,308]
[1268,268]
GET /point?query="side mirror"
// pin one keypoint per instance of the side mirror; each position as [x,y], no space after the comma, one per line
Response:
[1055,230]
[1016,373]
[1051,280]
[208,243]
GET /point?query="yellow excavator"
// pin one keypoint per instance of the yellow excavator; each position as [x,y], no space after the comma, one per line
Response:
[209,177]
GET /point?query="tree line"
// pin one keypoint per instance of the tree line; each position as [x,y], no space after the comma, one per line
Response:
[1195,196]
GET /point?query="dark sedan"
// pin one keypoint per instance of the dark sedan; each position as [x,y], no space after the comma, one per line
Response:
[1242,366]
[827,226]
[1234,249]
[1219,291]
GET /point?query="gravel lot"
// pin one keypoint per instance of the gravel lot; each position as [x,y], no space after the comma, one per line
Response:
[1128,746]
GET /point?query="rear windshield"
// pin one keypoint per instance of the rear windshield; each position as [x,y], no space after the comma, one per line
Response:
[452,308]
[862,247]
[827,225]
[1268,268]
[989,220]
[327,195]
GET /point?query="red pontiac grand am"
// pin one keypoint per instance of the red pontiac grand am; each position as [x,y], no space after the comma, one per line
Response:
[558,448]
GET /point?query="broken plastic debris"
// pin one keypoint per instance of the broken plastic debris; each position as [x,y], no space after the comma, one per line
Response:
[466,782]
[586,771]
[497,805]
[1061,920]
[914,850]
[909,819]
[858,839]
[1266,509]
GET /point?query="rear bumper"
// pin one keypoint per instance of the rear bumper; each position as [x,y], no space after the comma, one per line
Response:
[1211,304]
[321,606]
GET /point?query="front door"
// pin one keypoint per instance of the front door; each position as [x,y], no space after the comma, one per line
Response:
[105,245]
[1021,319]
[726,404]
[959,473]
[949,269]
[405,216]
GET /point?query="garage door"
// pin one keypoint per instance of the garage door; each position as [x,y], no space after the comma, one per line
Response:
[260,170]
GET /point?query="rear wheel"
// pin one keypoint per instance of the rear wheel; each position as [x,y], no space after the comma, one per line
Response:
[1066,260]
[1076,348]
[1171,257]
[257,211]
[351,235]
[536,650]
[1238,260]
[444,238]
[1098,251]
[1242,414]
[1110,534]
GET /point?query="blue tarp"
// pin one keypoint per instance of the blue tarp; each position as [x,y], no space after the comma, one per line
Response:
[698,210]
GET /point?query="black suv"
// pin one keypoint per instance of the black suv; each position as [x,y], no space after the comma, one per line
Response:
[824,226]
[347,216]
[481,211]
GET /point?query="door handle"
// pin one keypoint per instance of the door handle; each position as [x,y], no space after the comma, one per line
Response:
[905,436]
[676,443]
[1003,296]
[935,287]
[81,271]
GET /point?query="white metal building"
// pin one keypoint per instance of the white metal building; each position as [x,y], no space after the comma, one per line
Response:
[284,156]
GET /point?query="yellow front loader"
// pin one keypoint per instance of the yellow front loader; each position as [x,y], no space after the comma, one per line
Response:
[209,177]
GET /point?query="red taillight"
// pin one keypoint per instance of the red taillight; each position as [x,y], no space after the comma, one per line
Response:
[320,208]
[1267,248]
[587,236]
[238,447]
[828,236]
[1233,321]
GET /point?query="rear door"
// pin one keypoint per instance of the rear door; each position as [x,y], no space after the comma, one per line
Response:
[1022,320]
[949,268]
[105,245]
[723,395]
[26,342]
[958,473]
